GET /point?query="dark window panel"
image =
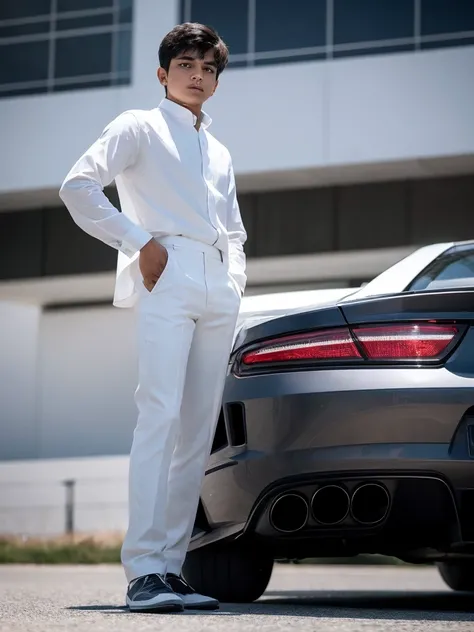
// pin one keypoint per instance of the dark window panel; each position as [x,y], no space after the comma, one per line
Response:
[26,62]
[70,250]
[442,209]
[229,19]
[123,51]
[289,24]
[449,43]
[83,85]
[278,223]
[372,216]
[446,16]
[20,244]
[32,28]
[17,9]
[83,5]
[290,59]
[379,50]
[18,92]
[371,20]
[83,55]
[125,11]
[298,221]
[103,19]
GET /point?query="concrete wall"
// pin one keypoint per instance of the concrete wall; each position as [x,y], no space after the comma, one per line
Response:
[87,381]
[298,116]
[19,324]
[67,380]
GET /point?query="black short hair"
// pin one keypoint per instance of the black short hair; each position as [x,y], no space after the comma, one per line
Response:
[196,37]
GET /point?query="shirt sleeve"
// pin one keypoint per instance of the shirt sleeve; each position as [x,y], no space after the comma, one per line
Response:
[83,188]
[237,235]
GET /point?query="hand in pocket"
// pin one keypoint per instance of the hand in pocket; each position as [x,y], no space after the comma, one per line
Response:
[152,262]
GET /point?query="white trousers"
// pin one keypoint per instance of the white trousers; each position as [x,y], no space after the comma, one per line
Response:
[185,329]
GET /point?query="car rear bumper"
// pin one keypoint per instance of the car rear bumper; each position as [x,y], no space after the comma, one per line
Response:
[339,426]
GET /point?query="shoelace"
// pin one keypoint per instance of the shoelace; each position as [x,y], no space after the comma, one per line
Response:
[178,584]
[155,581]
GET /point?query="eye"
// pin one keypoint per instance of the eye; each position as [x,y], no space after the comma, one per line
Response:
[211,70]
[185,65]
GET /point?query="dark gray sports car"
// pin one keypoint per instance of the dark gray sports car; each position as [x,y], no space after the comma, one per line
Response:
[347,428]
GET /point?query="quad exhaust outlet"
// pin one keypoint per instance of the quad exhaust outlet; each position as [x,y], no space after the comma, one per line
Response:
[330,505]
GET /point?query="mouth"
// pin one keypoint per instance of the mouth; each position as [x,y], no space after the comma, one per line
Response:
[196,88]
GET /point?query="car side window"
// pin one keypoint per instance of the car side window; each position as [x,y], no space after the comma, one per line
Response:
[455,269]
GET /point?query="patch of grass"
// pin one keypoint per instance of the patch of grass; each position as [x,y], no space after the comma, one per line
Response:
[72,550]
[105,549]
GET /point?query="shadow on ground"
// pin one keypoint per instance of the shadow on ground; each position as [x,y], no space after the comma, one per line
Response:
[436,606]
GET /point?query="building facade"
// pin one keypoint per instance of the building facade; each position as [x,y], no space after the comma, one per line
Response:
[352,134]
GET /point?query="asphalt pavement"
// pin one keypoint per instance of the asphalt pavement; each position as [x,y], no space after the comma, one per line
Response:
[299,597]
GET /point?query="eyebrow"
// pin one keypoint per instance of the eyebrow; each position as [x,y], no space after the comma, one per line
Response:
[188,58]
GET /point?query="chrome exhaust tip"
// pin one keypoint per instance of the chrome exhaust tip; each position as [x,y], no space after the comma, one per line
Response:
[289,513]
[370,503]
[330,505]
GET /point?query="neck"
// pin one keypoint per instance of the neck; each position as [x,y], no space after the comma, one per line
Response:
[195,109]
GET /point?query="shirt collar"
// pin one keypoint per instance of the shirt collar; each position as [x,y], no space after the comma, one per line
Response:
[183,114]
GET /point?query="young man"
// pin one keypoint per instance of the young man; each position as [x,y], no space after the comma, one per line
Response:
[181,263]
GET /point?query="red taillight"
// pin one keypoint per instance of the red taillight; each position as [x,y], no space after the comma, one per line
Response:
[322,345]
[405,342]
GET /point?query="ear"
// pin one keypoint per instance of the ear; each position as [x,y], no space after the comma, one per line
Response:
[162,76]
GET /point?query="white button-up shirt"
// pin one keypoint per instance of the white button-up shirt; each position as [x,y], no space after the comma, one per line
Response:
[171,180]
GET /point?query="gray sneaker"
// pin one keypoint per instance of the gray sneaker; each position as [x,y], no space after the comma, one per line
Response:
[191,599]
[151,593]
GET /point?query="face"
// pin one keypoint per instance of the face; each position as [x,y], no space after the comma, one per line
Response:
[190,80]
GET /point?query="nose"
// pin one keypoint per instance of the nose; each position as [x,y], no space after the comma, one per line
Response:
[197,76]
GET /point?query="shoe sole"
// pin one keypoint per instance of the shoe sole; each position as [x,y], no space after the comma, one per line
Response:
[160,606]
[204,606]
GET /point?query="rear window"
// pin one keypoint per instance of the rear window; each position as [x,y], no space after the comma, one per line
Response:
[451,270]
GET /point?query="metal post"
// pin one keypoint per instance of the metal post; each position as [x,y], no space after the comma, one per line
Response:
[69,507]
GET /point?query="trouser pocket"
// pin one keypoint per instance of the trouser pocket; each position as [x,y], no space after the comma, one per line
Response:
[166,272]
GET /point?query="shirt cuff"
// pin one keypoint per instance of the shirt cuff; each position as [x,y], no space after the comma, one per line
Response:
[134,241]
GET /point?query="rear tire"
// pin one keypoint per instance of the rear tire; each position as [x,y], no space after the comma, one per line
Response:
[232,573]
[458,576]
